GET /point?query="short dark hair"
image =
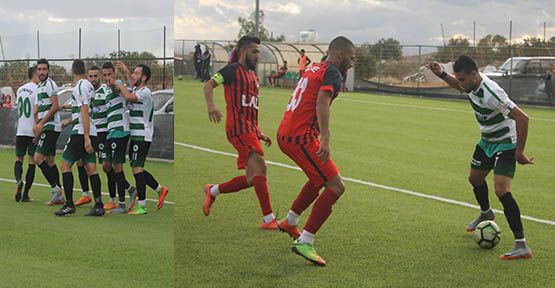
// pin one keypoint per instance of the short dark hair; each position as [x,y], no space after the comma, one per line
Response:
[94,67]
[146,71]
[44,61]
[78,67]
[108,65]
[31,71]
[340,43]
[466,64]
[246,41]
[302,50]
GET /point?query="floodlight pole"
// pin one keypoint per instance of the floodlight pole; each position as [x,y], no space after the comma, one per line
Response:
[256,19]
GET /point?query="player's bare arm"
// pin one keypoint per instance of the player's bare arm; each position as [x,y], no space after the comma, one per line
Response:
[86,128]
[213,113]
[127,95]
[448,78]
[323,114]
[521,120]
[123,67]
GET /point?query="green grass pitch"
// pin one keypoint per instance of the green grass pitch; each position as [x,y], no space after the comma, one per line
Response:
[374,237]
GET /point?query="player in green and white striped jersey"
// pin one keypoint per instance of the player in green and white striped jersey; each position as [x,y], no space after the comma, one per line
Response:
[47,129]
[116,144]
[25,98]
[79,146]
[141,114]
[504,128]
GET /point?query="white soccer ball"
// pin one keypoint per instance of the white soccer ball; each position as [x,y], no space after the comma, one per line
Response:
[487,234]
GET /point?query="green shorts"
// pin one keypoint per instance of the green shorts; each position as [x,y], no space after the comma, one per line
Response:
[75,150]
[115,149]
[24,144]
[138,150]
[46,145]
[502,162]
[99,146]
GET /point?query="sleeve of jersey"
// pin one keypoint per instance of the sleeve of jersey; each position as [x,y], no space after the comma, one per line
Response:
[141,94]
[496,98]
[89,95]
[331,81]
[52,89]
[226,75]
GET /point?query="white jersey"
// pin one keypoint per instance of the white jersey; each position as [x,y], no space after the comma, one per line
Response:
[45,90]
[492,107]
[99,111]
[25,99]
[83,94]
[141,115]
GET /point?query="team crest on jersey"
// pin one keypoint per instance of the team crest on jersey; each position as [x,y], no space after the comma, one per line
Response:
[42,136]
[252,103]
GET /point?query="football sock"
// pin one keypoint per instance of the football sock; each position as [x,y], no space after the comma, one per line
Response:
[512,213]
[292,218]
[141,185]
[29,178]
[236,184]
[55,174]
[83,180]
[268,218]
[306,237]
[261,189]
[68,187]
[111,184]
[121,186]
[321,211]
[18,170]
[151,181]
[481,193]
[45,169]
[308,194]
[95,184]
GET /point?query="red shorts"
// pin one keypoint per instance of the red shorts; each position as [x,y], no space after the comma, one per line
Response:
[304,155]
[301,73]
[245,144]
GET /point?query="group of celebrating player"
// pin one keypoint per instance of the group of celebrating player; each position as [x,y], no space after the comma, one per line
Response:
[105,118]
[304,136]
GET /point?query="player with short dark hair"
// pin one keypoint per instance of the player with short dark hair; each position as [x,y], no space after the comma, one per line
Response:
[25,99]
[242,131]
[303,62]
[504,128]
[307,118]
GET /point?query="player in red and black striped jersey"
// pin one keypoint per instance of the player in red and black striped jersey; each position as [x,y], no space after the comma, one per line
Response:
[306,119]
[241,97]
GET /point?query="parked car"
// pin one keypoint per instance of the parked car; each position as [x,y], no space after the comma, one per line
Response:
[529,66]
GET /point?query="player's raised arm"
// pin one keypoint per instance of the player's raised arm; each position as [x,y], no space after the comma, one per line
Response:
[521,120]
[125,70]
[448,78]
[128,95]
[213,113]
[323,114]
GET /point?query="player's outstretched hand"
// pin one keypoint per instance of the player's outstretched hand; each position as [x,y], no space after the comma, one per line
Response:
[267,141]
[324,152]
[122,66]
[435,68]
[214,114]
[523,159]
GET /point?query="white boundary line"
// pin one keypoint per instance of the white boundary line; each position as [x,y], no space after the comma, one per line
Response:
[424,107]
[76,189]
[358,181]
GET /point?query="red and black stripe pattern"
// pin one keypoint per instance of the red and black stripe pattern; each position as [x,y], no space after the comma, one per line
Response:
[241,96]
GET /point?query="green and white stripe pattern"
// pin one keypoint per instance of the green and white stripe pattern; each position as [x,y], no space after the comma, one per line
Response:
[492,107]
[83,94]
[117,119]
[99,111]
[141,115]
[45,91]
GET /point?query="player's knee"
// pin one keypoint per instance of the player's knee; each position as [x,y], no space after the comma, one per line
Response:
[475,181]
[501,189]
[91,169]
[136,170]
[66,166]
[336,185]
[107,167]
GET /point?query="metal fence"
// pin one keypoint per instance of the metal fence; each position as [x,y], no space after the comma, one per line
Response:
[399,69]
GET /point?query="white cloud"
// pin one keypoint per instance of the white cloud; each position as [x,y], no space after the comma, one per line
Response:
[111,20]
[56,20]
[288,8]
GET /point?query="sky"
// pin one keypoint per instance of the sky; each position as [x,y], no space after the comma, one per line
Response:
[410,22]
[141,24]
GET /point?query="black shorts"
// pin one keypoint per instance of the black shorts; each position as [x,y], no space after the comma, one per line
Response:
[138,150]
[24,144]
[46,145]
[75,150]
[503,162]
[99,146]
[115,149]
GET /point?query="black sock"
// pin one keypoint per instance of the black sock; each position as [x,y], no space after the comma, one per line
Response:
[29,179]
[121,186]
[68,187]
[512,213]
[125,182]
[95,185]
[111,183]
[481,193]
[55,174]
[45,169]
[140,182]
[83,178]
[150,180]
[18,170]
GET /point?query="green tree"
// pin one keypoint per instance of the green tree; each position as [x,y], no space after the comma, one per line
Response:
[248,27]
[365,64]
[456,46]
[387,49]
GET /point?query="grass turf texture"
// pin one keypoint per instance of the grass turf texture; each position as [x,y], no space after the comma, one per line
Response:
[374,237]
[41,250]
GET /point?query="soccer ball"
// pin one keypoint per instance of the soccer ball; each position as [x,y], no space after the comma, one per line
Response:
[487,234]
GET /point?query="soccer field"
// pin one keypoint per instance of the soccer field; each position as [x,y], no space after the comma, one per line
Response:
[39,249]
[376,236]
